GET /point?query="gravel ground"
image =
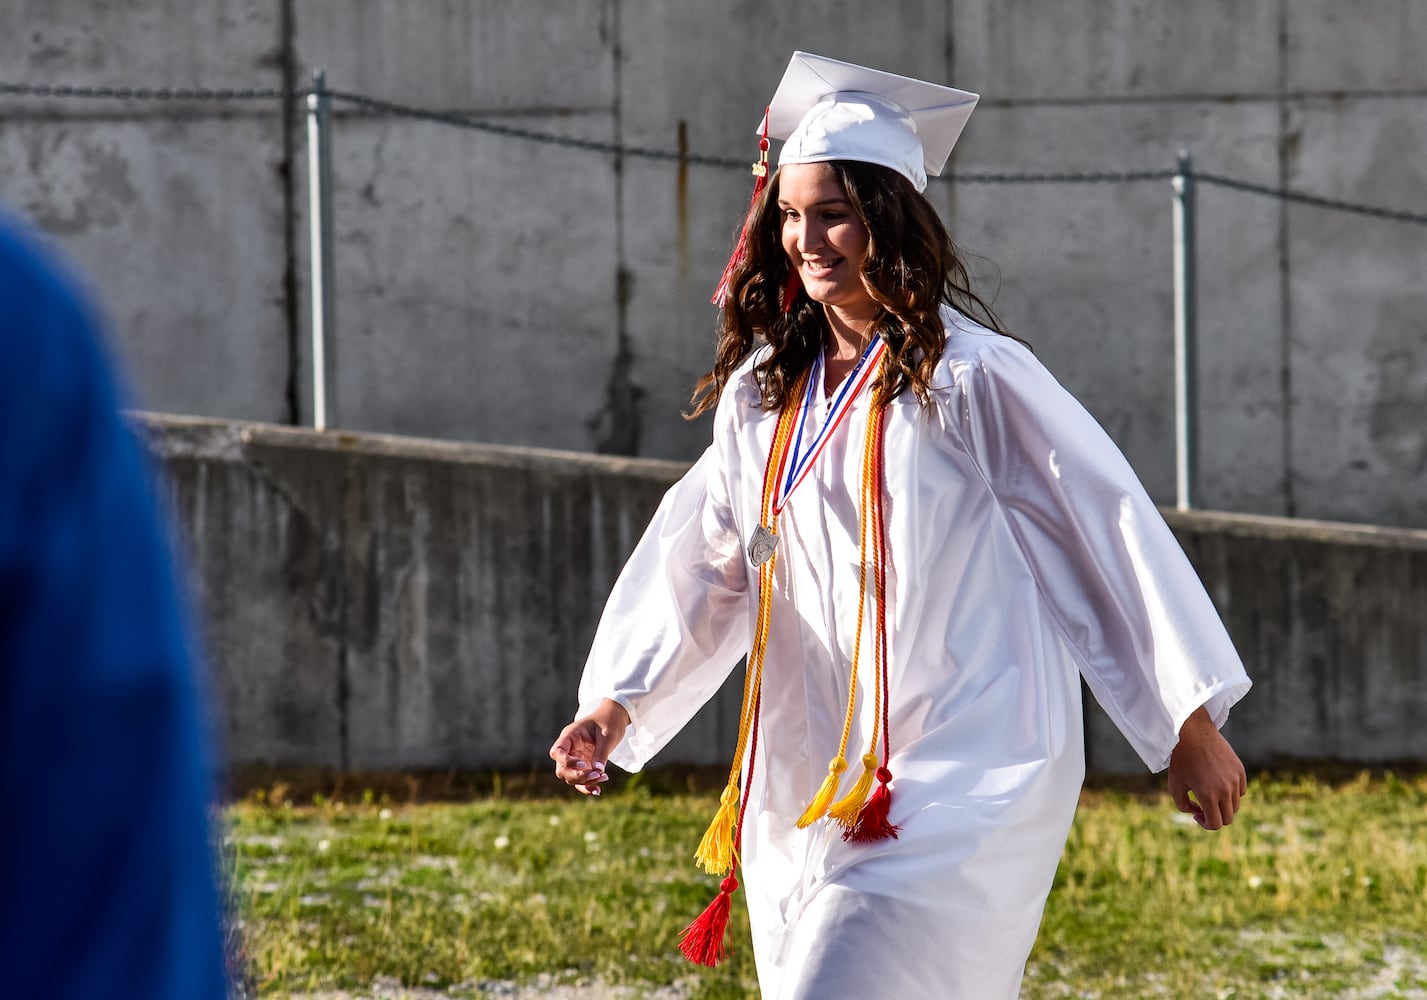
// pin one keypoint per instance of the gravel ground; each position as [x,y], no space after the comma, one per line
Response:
[543,988]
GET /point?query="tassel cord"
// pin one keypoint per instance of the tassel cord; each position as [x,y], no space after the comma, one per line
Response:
[740,249]
[704,940]
[846,810]
[880,555]
[753,677]
[873,823]
[715,851]
[823,799]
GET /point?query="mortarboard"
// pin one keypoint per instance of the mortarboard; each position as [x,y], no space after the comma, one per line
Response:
[828,109]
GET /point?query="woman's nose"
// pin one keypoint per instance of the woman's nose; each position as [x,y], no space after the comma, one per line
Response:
[809,236]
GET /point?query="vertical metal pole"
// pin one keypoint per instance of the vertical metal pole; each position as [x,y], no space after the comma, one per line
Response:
[1185,354]
[319,212]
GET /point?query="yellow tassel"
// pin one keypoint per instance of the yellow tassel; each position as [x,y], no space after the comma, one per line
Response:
[826,793]
[846,809]
[715,853]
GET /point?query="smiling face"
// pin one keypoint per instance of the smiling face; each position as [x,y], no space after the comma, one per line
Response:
[824,238]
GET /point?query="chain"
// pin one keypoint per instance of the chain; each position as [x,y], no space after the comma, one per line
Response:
[1390,214]
[515,132]
[149,93]
[648,153]
[1095,177]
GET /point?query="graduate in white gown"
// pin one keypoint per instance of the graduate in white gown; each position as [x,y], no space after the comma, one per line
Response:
[923,543]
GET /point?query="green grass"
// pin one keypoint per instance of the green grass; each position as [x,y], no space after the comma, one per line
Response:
[1318,890]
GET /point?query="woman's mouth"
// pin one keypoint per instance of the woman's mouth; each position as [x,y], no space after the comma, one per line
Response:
[820,268]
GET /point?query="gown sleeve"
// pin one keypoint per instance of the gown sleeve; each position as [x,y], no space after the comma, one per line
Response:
[1124,597]
[675,624]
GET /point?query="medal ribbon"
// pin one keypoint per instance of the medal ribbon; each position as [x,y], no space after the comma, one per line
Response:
[799,461]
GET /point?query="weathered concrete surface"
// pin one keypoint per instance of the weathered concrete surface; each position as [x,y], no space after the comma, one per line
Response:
[1087,51]
[132,201]
[1358,364]
[492,56]
[458,314]
[173,43]
[374,602]
[479,269]
[476,272]
[1329,621]
[173,210]
[1374,45]
[1303,410]
[1092,294]
[377,602]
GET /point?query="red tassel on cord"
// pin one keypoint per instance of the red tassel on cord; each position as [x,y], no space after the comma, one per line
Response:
[740,249]
[872,823]
[703,940]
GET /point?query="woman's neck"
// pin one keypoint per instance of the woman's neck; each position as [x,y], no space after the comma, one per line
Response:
[849,334]
[848,338]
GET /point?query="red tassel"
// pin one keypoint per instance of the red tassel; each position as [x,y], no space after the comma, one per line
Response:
[740,249]
[791,290]
[703,940]
[872,823]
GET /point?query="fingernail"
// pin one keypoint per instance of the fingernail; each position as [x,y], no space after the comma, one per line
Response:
[598,765]
[578,765]
[595,791]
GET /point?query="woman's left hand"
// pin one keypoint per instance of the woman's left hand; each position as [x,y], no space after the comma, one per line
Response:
[1206,777]
[581,749]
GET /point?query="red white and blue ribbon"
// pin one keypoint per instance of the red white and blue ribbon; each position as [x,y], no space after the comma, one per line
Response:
[799,461]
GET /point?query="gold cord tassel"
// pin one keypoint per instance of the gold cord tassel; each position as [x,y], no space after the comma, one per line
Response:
[846,809]
[718,847]
[817,808]
[715,853]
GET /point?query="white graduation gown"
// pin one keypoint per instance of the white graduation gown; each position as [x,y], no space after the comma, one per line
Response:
[1023,554]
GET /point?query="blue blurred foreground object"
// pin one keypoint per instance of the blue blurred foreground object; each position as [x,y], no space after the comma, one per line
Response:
[107,879]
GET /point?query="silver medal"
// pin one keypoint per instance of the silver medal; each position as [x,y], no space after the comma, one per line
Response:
[762,545]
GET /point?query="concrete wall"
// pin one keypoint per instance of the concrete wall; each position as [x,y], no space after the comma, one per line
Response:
[177,212]
[477,273]
[1329,621]
[375,602]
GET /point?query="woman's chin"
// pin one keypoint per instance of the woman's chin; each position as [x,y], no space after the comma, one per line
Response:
[825,292]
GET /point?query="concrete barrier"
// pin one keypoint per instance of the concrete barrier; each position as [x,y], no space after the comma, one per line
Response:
[1331,621]
[381,602]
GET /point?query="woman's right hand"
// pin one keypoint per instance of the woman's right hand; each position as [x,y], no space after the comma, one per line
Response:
[583,747]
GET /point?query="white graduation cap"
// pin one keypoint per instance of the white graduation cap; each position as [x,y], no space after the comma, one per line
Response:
[827,109]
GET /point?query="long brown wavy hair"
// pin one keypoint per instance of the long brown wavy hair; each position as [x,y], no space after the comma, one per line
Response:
[911,268]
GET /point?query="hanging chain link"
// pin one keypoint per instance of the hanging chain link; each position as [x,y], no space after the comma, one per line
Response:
[458,120]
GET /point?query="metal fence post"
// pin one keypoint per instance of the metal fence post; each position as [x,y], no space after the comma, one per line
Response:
[319,211]
[1185,354]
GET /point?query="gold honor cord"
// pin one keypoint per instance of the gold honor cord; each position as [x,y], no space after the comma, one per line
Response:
[846,810]
[874,821]
[716,849]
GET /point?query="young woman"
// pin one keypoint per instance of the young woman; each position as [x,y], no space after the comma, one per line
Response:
[922,542]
